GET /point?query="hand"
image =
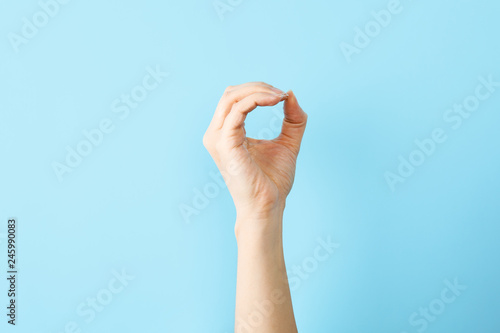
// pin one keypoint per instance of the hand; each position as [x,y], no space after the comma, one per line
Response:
[259,173]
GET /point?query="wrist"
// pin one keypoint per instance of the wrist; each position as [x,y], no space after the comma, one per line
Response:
[259,227]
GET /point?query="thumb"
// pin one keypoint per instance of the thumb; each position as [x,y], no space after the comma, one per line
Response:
[294,123]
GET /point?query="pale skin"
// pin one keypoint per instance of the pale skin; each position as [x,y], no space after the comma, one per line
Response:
[259,175]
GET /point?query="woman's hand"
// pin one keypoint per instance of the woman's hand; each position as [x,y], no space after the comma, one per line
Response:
[259,173]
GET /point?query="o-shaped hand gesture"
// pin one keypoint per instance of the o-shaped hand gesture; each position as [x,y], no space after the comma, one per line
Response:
[259,173]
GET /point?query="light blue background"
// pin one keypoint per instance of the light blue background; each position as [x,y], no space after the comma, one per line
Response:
[120,207]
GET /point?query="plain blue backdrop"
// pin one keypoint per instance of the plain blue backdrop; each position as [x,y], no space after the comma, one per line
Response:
[122,208]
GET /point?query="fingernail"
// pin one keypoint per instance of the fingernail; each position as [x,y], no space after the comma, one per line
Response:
[283,96]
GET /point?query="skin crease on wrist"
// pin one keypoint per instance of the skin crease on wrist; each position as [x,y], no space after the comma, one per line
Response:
[259,175]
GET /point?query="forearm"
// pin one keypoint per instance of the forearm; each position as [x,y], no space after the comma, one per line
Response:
[263,302]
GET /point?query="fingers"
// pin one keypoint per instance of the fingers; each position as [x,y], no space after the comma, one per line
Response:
[235,94]
[233,131]
[294,123]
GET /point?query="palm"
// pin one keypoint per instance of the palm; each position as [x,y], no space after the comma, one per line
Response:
[274,162]
[266,169]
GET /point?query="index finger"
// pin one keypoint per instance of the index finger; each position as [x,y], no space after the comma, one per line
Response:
[235,94]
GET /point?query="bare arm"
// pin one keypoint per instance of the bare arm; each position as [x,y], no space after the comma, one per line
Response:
[259,175]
